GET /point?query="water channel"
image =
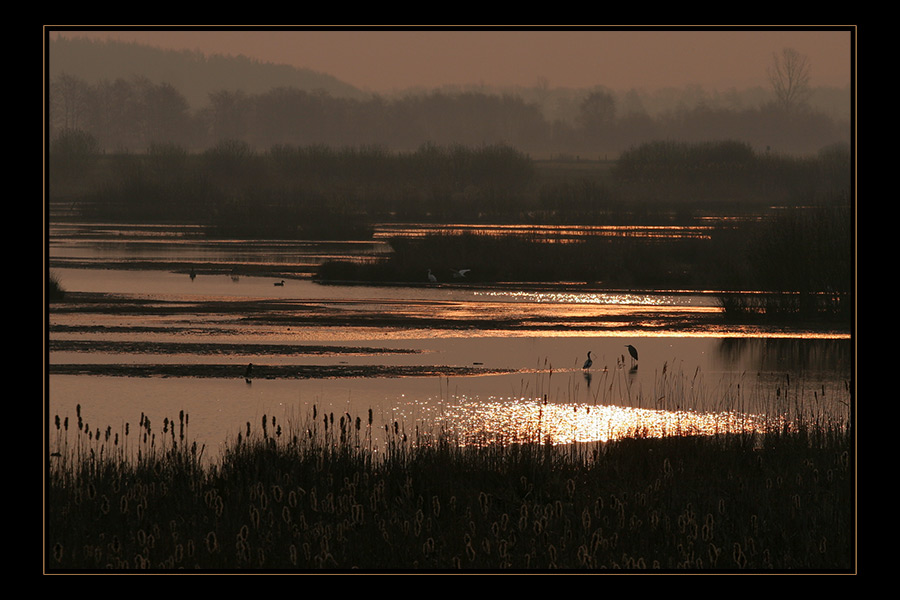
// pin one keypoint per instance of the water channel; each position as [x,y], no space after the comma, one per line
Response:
[174,318]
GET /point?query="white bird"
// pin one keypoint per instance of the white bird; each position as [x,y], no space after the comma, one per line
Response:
[587,364]
[460,274]
[431,277]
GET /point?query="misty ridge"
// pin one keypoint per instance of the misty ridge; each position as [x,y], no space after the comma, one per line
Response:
[128,96]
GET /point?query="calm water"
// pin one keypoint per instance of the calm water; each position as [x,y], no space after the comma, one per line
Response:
[693,374]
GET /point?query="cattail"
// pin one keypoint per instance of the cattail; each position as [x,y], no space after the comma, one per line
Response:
[428,546]
[484,501]
[738,555]
[212,544]
[58,552]
[470,552]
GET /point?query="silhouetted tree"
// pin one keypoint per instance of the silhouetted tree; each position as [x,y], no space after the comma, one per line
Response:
[72,151]
[597,112]
[166,114]
[228,115]
[69,100]
[789,76]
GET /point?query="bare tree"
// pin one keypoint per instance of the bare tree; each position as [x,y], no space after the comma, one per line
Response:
[597,112]
[789,76]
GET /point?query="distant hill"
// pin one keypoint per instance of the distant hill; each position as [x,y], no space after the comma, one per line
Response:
[194,74]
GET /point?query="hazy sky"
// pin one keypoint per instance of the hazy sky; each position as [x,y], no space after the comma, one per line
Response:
[386,60]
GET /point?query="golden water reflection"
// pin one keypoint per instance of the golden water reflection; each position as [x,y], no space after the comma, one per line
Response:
[559,233]
[537,421]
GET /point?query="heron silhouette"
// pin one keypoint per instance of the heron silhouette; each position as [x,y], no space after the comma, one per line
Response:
[587,364]
[248,373]
[431,277]
[633,352]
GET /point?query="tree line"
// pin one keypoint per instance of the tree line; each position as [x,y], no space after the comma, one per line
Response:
[131,114]
[273,192]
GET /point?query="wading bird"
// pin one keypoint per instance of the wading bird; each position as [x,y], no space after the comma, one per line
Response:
[587,364]
[248,373]
[431,277]
[460,274]
[632,351]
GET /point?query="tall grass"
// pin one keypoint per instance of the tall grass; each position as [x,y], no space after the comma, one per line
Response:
[324,493]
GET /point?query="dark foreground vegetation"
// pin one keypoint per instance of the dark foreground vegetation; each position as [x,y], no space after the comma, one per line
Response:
[321,496]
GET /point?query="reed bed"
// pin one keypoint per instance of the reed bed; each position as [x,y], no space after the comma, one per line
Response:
[337,493]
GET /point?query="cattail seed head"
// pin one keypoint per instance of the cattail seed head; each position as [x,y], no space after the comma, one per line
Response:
[212,544]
